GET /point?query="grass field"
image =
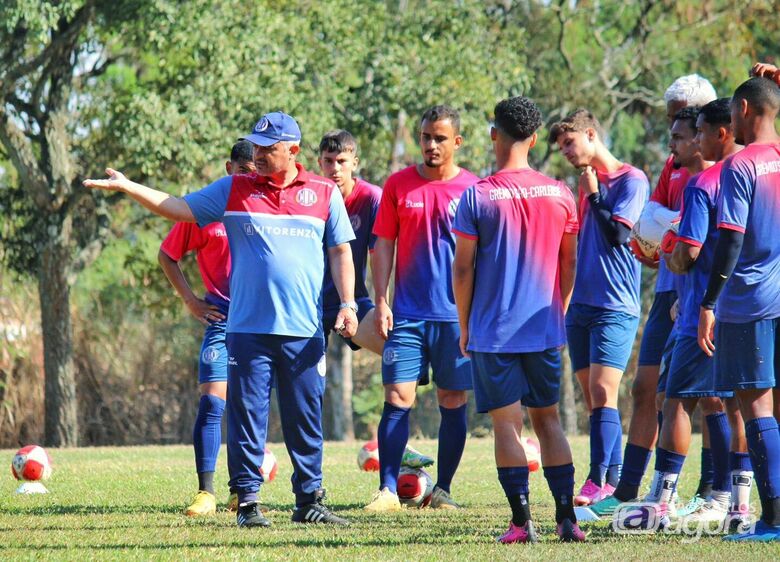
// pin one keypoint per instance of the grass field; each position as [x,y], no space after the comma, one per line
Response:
[127,503]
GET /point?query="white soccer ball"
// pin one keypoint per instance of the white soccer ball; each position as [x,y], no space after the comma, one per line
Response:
[31,463]
[533,453]
[368,457]
[415,487]
[269,467]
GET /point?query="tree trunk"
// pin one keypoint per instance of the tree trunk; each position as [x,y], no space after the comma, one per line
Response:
[339,392]
[567,404]
[61,426]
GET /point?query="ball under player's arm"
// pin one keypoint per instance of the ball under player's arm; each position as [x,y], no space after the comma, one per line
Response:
[343,272]
[199,308]
[463,285]
[381,266]
[158,202]
[567,260]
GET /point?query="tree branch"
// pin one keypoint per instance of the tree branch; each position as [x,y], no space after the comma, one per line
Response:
[20,152]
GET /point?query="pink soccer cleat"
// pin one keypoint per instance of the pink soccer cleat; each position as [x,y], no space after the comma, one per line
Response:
[515,534]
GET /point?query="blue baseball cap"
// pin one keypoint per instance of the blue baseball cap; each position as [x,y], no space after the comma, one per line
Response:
[272,128]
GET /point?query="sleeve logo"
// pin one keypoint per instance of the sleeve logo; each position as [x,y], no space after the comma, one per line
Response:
[306,197]
[355,221]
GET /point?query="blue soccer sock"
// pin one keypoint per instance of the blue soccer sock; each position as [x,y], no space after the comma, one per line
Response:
[763,440]
[634,467]
[616,458]
[604,429]
[560,479]
[720,439]
[207,438]
[392,435]
[514,481]
[707,473]
[452,440]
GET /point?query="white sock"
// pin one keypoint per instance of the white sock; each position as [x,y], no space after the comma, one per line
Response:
[741,483]
[662,487]
[720,499]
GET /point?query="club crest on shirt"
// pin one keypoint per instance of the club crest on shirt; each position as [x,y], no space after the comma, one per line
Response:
[306,197]
[321,367]
[453,207]
[388,357]
[355,221]
[210,355]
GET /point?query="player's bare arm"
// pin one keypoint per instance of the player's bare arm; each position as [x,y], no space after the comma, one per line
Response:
[381,266]
[199,308]
[158,202]
[343,271]
[567,259]
[682,258]
[463,285]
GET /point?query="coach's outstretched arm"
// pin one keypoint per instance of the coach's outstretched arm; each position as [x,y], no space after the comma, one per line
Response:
[381,266]
[158,202]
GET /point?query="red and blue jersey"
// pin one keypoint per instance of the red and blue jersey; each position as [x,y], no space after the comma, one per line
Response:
[276,238]
[418,213]
[669,193]
[749,202]
[519,218]
[362,205]
[698,227]
[609,276]
[212,253]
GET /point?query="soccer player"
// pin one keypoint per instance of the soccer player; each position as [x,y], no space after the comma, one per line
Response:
[277,221]
[689,377]
[213,254]
[602,321]
[744,282]
[338,161]
[513,276]
[416,211]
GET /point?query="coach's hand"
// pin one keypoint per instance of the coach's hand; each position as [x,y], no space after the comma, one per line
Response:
[346,324]
[707,331]
[589,181]
[116,181]
[204,312]
[383,319]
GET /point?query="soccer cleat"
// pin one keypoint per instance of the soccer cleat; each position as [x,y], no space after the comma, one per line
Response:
[384,500]
[710,511]
[415,459]
[317,512]
[605,507]
[204,503]
[568,531]
[515,534]
[442,500]
[590,493]
[232,503]
[694,504]
[249,515]
[739,522]
[762,532]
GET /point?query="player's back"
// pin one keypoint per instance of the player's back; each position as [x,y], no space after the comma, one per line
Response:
[519,218]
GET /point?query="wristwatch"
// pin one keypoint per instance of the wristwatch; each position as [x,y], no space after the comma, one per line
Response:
[351,304]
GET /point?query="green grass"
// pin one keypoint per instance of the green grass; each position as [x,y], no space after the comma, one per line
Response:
[127,503]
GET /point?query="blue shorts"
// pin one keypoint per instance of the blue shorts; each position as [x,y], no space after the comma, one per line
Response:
[329,320]
[748,355]
[601,336]
[666,362]
[414,345]
[501,379]
[657,329]
[691,373]
[212,365]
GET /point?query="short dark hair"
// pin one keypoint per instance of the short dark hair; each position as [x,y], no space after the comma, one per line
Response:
[717,112]
[338,140]
[762,94]
[442,113]
[242,151]
[517,117]
[577,121]
[689,114]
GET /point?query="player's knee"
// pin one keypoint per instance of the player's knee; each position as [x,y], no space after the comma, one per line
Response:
[399,396]
[451,398]
[711,406]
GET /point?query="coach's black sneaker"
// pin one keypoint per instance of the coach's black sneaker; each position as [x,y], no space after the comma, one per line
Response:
[249,516]
[317,512]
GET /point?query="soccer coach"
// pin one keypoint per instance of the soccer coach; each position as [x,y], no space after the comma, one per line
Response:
[277,221]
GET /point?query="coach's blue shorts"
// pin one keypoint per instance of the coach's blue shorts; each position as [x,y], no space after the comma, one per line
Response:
[691,373]
[747,355]
[501,379]
[212,365]
[329,320]
[414,345]
[598,335]
[657,329]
